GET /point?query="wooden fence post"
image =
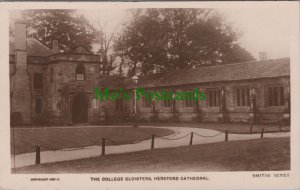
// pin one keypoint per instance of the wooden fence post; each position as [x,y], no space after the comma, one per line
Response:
[262,133]
[103,147]
[226,135]
[191,140]
[37,155]
[152,142]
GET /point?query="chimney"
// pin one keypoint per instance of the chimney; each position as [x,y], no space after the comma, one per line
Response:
[55,46]
[262,56]
[21,97]
[20,36]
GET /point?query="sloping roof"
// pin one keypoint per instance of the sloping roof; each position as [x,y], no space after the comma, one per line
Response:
[113,82]
[34,47]
[79,50]
[228,72]
[151,80]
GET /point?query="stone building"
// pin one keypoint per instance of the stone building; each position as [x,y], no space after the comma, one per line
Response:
[239,92]
[47,86]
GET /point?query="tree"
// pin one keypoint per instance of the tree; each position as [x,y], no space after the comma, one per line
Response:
[66,26]
[105,40]
[237,54]
[141,44]
[178,39]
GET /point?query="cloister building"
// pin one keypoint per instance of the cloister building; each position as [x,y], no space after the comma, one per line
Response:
[47,86]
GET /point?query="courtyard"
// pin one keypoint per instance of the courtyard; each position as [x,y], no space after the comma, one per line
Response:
[82,142]
[271,154]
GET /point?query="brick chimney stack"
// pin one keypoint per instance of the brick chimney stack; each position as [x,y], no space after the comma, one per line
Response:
[21,97]
[262,56]
[20,36]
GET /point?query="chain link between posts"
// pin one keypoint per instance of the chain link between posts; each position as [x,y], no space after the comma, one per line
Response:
[130,141]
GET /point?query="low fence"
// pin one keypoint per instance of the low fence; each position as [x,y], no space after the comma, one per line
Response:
[37,148]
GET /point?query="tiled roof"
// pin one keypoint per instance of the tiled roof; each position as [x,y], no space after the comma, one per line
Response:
[79,50]
[113,82]
[34,47]
[228,72]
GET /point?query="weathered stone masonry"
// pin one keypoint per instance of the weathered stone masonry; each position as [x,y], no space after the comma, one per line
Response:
[51,87]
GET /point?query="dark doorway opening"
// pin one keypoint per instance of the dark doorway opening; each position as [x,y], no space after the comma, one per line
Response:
[79,109]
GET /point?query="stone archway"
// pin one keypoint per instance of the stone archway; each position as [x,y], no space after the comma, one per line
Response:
[79,109]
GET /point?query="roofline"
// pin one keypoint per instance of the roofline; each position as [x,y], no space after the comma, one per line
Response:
[52,53]
[174,85]
[235,63]
[71,51]
[40,42]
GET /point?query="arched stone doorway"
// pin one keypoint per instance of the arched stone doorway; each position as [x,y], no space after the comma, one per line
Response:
[79,109]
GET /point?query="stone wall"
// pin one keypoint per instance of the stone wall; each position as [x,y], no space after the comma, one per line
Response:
[233,113]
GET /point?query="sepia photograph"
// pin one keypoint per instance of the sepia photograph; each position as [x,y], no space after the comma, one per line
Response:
[149,90]
[98,94]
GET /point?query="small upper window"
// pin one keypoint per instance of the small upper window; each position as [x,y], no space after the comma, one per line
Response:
[80,72]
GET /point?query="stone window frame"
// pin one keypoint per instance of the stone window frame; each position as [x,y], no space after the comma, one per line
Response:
[38,109]
[213,97]
[188,103]
[239,99]
[38,81]
[167,103]
[279,95]
[119,104]
[80,72]
[147,102]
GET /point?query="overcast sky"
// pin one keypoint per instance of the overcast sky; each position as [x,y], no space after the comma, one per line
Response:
[263,30]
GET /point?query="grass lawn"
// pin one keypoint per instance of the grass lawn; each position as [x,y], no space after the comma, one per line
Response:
[58,138]
[252,155]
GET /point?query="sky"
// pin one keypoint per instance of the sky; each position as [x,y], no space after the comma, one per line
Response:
[262,29]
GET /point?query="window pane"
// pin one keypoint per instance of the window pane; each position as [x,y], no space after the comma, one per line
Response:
[121,104]
[38,105]
[281,96]
[243,97]
[38,80]
[80,72]
[217,98]
[275,97]
[80,77]
[248,97]
[214,98]
[238,96]
[270,96]
[210,98]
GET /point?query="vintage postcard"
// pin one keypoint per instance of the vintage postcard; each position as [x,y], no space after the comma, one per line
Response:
[144,95]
